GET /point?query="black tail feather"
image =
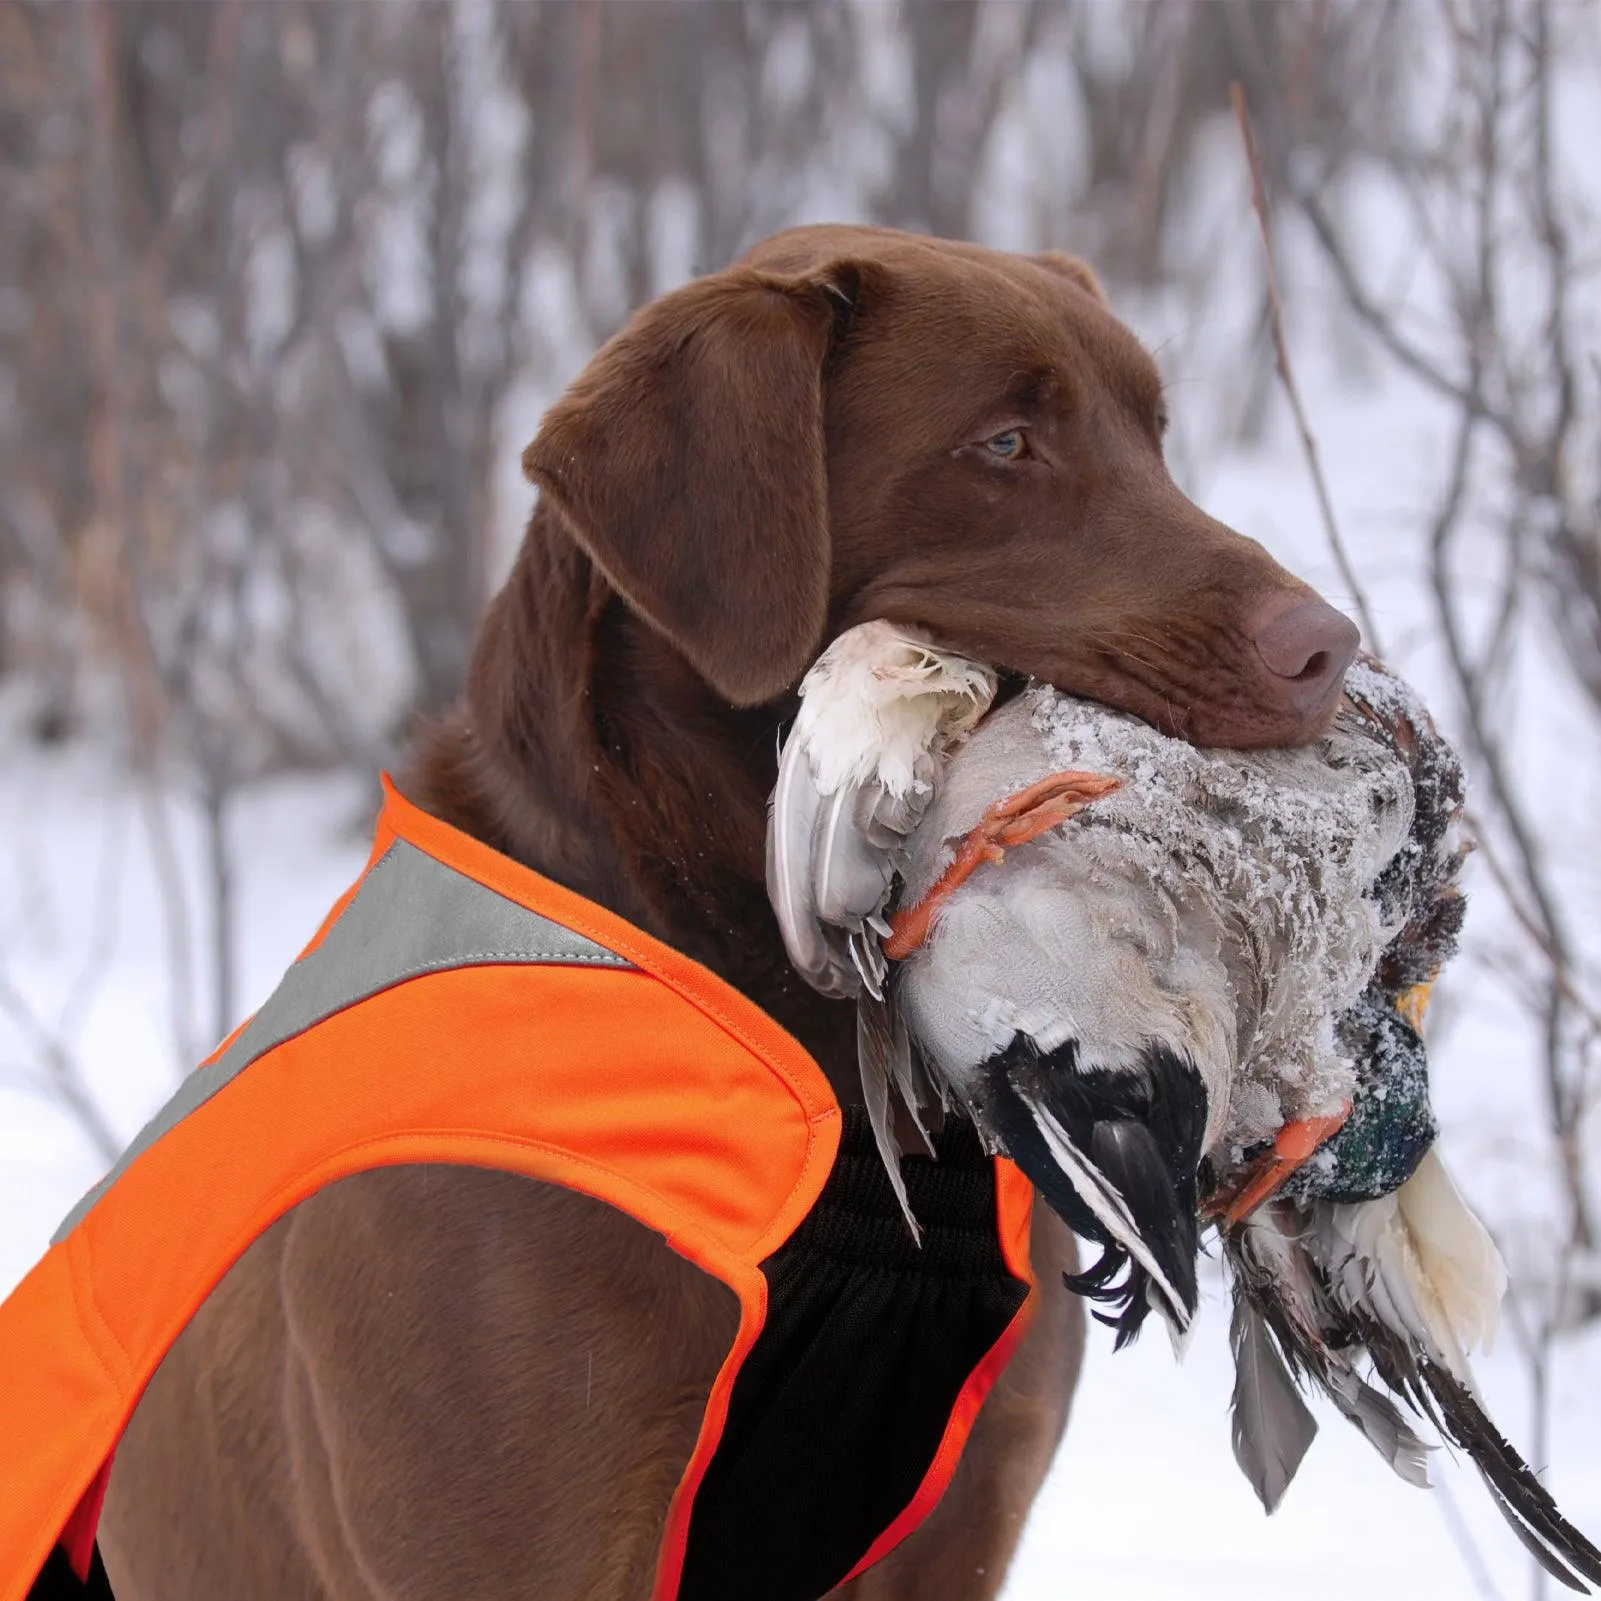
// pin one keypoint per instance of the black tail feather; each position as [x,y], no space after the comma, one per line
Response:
[1531,1542]
[1142,1130]
[1523,1501]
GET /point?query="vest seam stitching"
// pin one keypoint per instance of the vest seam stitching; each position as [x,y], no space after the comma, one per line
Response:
[813,1123]
[592,933]
[451,964]
[518,1142]
[93,1320]
[530,958]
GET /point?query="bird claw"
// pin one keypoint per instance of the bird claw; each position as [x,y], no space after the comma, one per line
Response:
[1293,1147]
[1007,824]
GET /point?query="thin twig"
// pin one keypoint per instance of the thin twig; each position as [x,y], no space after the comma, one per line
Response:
[1474,409]
[1368,311]
[1526,920]
[118,491]
[61,1074]
[98,953]
[1331,529]
[1457,1526]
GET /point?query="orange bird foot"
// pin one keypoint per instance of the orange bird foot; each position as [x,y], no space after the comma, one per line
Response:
[1293,1147]
[1014,821]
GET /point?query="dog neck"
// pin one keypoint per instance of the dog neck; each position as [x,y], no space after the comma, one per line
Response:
[587,749]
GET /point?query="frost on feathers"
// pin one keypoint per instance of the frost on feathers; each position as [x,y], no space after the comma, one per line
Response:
[1325,888]
[1282,845]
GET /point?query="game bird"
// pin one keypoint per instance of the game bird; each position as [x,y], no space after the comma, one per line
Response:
[1183,990]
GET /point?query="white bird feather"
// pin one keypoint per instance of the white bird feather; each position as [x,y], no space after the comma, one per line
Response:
[855,775]
[1419,1261]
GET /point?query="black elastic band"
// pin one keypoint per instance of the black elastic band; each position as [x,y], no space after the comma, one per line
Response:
[57,1581]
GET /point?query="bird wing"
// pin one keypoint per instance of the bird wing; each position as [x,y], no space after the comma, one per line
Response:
[792,820]
[854,777]
[1111,1210]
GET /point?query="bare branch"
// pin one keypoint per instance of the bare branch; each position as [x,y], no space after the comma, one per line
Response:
[1331,529]
[59,1070]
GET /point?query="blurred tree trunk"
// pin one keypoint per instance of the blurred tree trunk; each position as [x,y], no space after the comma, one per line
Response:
[345,235]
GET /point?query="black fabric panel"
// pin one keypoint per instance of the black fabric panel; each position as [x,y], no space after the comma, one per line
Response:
[57,1581]
[841,1404]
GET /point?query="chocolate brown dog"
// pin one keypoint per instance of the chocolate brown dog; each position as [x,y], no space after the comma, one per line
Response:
[438,1382]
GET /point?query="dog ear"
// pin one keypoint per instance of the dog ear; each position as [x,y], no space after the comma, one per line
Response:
[1074,270]
[687,461]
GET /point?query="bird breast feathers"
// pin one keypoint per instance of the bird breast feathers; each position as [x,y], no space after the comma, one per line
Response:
[879,700]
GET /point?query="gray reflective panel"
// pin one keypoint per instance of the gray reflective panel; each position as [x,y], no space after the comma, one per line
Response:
[412,915]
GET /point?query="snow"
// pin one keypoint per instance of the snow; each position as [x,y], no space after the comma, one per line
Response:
[1145,1502]
[85,937]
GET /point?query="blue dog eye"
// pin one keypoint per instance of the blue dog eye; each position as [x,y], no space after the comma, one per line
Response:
[1008,446]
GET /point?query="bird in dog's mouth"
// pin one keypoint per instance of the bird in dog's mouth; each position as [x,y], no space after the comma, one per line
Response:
[1182,989]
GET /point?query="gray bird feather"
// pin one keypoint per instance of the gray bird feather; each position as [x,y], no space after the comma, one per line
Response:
[880,1040]
[1272,1426]
[1275,1281]
[795,807]
[851,871]
[1381,1422]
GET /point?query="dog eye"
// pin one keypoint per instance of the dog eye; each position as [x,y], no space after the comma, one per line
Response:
[1007,446]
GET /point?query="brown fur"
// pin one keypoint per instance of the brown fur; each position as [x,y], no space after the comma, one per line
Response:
[432,1382]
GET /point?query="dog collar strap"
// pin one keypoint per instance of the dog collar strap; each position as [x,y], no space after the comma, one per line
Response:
[443,988]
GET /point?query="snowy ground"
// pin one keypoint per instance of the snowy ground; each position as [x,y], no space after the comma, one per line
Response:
[1145,1502]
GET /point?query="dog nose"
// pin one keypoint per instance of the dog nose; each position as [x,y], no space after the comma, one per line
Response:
[1307,645]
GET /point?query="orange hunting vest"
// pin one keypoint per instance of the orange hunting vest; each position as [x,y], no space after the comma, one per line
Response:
[456,1007]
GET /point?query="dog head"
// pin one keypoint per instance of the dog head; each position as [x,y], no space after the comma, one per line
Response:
[854,423]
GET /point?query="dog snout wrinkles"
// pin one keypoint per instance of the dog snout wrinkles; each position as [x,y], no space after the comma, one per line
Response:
[1306,647]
